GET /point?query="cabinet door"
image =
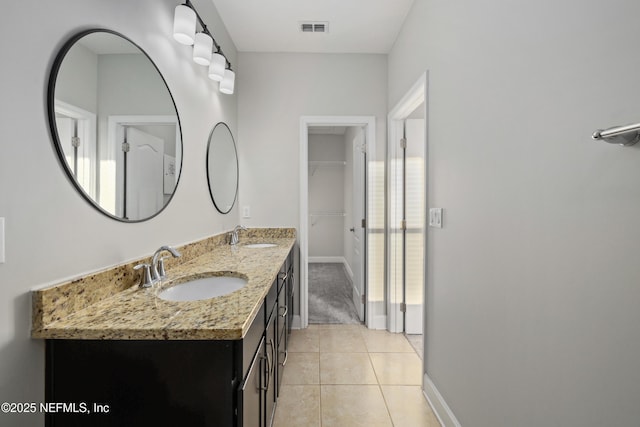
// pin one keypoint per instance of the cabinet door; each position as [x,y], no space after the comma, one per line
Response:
[251,392]
[283,320]
[282,313]
[270,354]
[291,288]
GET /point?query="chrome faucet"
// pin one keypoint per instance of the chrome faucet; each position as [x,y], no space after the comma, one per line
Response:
[157,264]
[155,272]
[234,234]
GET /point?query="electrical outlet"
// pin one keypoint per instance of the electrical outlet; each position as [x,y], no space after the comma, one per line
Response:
[435,217]
[246,211]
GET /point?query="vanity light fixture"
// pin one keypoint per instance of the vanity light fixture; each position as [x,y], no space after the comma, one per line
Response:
[202,49]
[228,82]
[217,67]
[184,25]
[206,51]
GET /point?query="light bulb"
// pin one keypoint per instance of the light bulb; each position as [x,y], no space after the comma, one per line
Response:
[184,24]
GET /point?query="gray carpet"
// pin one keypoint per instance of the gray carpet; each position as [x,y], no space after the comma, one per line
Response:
[330,294]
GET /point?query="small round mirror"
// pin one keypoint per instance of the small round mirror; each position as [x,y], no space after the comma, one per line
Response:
[222,168]
[115,126]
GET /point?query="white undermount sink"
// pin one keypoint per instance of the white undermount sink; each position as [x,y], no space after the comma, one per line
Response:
[203,288]
[260,245]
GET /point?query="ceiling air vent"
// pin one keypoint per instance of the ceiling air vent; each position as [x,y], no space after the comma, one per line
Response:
[314,27]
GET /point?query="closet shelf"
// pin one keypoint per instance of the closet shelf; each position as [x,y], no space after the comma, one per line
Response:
[315,164]
[326,214]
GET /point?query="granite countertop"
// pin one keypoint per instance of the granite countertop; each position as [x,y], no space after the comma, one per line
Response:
[137,314]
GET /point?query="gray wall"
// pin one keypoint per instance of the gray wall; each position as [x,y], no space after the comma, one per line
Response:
[77,82]
[533,286]
[277,89]
[51,232]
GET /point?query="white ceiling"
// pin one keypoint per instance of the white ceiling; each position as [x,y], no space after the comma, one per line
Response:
[355,26]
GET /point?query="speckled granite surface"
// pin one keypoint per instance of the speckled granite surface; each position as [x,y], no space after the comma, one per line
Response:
[111,305]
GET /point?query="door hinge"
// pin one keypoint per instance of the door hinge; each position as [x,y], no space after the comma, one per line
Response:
[403,307]
[364,223]
[364,299]
[403,143]
[363,148]
[403,224]
[126,147]
[75,141]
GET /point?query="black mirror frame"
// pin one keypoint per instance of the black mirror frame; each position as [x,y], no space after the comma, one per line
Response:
[53,129]
[235,150]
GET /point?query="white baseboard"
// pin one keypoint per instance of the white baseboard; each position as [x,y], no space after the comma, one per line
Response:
[348,268]
[296,323]
[439,406]
[378,322]
[333,259]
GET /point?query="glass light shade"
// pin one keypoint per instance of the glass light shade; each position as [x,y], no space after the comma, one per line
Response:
[217,66]
[202,48]
[228,82]
[184,24]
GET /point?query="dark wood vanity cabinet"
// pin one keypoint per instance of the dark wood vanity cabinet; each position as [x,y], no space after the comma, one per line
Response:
[200,383]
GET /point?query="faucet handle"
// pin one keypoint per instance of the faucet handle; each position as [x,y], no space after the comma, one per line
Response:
[162,274]
[146,280]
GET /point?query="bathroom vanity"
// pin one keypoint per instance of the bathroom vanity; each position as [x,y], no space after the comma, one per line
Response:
[134,359]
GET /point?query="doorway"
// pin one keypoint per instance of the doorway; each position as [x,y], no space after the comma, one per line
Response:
[329,212]
[337,198]
[140,157]
[407,204]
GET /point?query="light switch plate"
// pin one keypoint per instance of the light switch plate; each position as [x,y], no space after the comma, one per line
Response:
[435,217]
[2,241]
[246,212]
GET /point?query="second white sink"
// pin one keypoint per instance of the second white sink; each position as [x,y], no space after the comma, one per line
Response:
[260,245]
[203,288]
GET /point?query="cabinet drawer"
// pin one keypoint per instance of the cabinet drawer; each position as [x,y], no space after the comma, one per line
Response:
[252,340]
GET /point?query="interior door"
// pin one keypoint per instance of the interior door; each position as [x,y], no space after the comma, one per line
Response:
[144,177]
[414,215]
[359,202]
[407,207]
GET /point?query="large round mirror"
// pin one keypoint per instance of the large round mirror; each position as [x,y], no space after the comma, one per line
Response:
[222,168]
[115,126]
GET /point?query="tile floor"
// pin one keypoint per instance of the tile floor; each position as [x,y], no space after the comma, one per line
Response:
[350,376]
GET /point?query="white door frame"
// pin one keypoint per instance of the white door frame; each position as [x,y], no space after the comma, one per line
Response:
[369,122]
[409,102]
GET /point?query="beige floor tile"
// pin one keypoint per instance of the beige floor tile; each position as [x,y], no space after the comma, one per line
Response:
[302,368]
[353,406]
[304,341]
[346,368]
[397,368]
[341,341]
[408,406]
[386,342]
[298,406]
